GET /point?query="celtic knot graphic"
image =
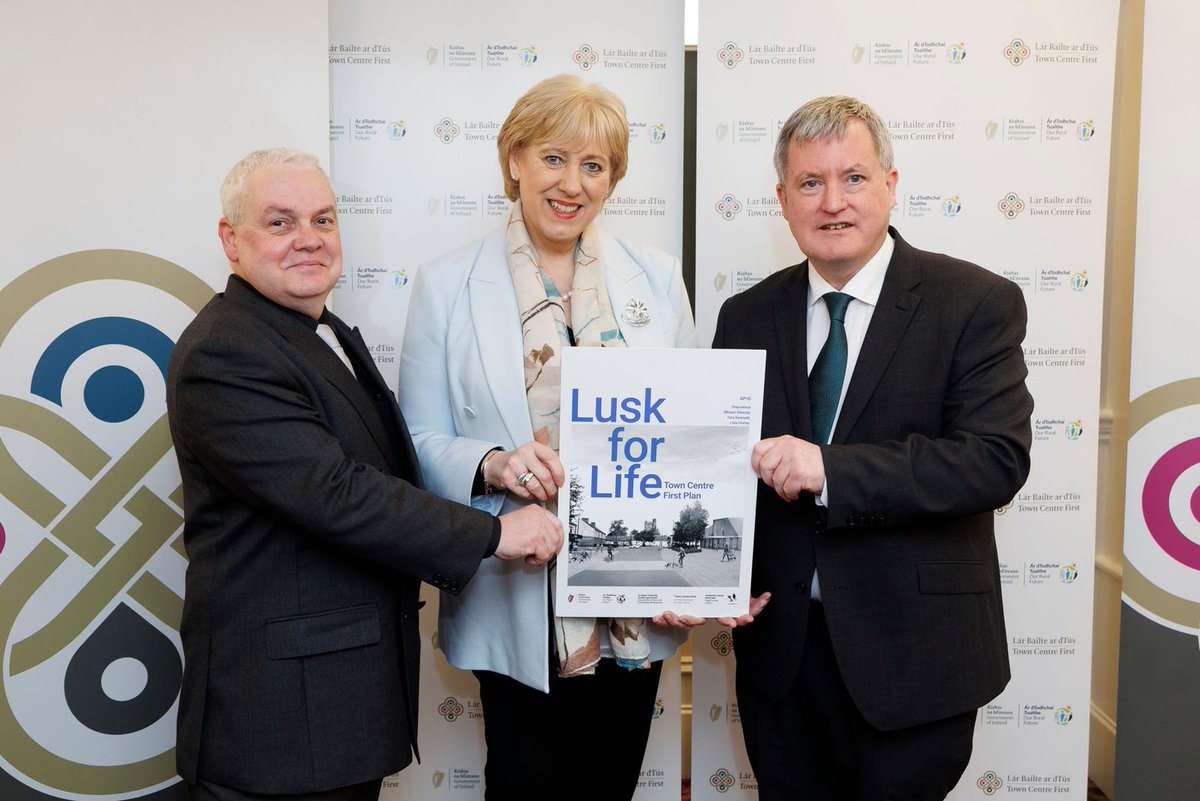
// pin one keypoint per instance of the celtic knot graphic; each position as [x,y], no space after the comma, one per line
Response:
[722,643]
[730,55]
[1011,205]
[450,709]
[990,783]
[98,590]
[728,207]
[722,780]
[447,130]
[586,57]
[1017,52]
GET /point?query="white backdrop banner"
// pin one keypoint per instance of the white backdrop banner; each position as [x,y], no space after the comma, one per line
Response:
[1159,691]
[418,97]
[999,115]
[122,119]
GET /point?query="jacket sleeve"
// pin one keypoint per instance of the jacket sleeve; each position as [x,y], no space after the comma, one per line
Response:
[685,335]
[253,422]
[448,461]
[978,458]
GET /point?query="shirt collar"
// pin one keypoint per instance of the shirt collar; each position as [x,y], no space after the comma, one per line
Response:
[866,284]
[304,318]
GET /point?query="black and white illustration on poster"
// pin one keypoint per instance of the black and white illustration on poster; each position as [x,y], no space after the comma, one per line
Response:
[659,508]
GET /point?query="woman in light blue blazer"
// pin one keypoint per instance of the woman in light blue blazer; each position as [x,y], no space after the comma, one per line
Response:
[567,702]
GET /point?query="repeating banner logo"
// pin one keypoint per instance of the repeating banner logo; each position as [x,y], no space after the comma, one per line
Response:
[989,783]
[1011,206]
[451,709]
[728,207]
[529,56]
[1063,716]
[396,130]
[956,53]
[447,130]
[722,780]
[1086,130]
[92,561]
[951,206]
[1017,52]
[658,133]
[730,55]
[586,57]
[722,643]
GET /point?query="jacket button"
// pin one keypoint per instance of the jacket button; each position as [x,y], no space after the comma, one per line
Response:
[801,587]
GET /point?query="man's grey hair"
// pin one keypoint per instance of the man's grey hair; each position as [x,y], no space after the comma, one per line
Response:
[828,117]
[233,189]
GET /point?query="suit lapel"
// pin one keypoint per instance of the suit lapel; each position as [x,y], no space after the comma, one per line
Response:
[497,322]
[332,370]
[626,280]
[893,313]
[398,448]
[304,338]
[791,331]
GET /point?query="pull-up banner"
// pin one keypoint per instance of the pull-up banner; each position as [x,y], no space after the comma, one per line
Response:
[999,114]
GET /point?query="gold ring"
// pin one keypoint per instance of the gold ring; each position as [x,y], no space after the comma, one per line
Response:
[524,478]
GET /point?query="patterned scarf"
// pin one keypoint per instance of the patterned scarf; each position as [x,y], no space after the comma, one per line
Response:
[544,335]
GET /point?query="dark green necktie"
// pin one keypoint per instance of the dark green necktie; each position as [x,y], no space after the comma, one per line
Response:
[825,380]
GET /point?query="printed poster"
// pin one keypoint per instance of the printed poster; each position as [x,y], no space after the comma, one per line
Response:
[659,513]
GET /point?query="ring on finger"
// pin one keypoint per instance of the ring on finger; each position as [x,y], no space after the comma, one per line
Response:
[524,478]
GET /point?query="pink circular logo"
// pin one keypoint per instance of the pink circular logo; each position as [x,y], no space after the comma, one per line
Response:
[1156,496]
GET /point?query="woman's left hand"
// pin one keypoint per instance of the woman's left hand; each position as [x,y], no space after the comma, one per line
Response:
[530,472]
[681,622]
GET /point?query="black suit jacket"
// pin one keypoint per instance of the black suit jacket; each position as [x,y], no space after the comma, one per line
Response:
[933,435]
[307,535]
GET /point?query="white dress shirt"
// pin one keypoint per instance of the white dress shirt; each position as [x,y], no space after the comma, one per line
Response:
[864,288]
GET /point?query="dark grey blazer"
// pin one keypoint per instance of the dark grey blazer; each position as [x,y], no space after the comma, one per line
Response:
[933,435]
[307,536]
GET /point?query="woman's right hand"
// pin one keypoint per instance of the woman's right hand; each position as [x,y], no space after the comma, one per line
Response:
[505,469]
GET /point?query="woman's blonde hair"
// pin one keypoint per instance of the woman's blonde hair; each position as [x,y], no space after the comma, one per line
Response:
[565,109]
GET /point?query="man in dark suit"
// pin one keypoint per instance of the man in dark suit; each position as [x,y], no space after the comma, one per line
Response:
[306,528]
[895,420]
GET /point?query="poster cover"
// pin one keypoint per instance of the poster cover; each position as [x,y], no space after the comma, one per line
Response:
[659,512]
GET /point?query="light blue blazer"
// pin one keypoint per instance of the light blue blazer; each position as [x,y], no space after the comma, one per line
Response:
[462,390]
